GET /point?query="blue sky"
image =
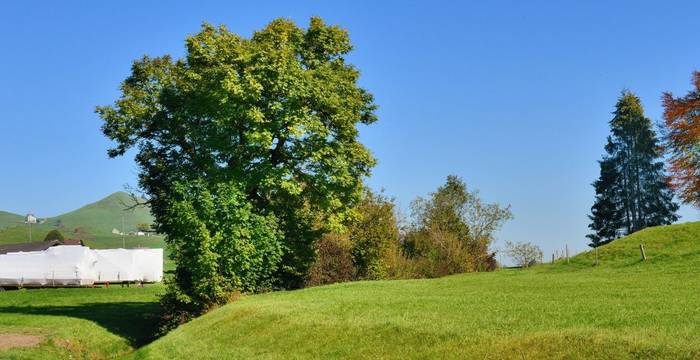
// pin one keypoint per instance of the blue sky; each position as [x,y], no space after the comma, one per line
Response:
[514,96]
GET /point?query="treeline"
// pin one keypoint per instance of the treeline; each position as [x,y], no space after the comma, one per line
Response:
[633,190]
[448,232]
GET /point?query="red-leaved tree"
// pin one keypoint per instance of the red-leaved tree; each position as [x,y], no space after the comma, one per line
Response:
[682,138]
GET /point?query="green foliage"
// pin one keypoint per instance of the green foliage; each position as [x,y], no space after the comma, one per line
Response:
[277,113]
[220,246]
[453,229]
[373,236]
[54,235]
[632,192]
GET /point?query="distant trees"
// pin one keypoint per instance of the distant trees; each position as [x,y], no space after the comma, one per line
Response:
[632,191]
[144,227]
[524,254]
[682,141]
[54,235]
[450,233]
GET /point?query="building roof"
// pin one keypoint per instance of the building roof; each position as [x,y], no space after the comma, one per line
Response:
[28,246]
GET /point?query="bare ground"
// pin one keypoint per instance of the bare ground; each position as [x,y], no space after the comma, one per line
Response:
[8,341]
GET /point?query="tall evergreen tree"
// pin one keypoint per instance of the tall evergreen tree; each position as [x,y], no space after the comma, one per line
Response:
[632,192]
[606,215]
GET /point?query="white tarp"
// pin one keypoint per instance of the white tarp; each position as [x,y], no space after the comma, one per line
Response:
[68,265]
[118,265]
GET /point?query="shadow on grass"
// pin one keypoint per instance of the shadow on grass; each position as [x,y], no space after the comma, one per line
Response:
[134,321]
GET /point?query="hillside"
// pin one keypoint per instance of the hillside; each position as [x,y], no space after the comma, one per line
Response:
[9,219]
[104,215]
[92,223]
[624,308]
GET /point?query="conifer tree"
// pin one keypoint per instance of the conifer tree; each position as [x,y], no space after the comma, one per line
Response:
[632,192]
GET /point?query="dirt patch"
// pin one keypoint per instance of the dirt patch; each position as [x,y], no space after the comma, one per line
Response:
[9,341]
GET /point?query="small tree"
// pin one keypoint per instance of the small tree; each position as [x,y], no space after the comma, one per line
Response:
[453,212]
[54,235]
[373,236]
[144,227]
[524,254]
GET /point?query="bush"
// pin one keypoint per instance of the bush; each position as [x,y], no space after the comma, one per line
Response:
[333,262]
[373,236]
[54,235]
[524,254]
[437,253]
[220,247]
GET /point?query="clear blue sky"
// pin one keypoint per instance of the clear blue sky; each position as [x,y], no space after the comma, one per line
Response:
[514,96]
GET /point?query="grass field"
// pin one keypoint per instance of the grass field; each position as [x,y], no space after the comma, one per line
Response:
[91,323]
[624,308]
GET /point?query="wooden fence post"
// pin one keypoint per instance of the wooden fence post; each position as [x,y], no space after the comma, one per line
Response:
[567,253]
[596,255]
[644,254]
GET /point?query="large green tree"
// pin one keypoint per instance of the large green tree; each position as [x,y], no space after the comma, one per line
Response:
[276,113]
[632,192]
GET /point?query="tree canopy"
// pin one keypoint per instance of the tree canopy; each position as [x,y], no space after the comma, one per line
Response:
[682,140]
[274,115]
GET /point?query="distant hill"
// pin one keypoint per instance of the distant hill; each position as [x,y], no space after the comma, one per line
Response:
[104,215]
[92,223]
[9,219]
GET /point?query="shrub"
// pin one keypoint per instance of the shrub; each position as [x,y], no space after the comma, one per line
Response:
[373,236]
[54,235]
[438,253]
[524,254]
[220,247]
[333,262]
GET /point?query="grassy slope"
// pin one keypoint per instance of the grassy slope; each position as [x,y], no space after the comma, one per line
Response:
[9,219]
[102,216]
[79,323]
[624,308]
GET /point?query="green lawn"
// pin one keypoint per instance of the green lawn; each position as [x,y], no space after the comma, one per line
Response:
[624,308]
[79,323]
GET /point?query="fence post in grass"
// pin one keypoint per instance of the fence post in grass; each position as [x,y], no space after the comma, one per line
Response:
[552,258]
[596,255]
[644,254]
[567,253]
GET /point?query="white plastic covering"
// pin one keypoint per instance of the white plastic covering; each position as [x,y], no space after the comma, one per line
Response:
[118,265]
[69,265]
[72,265]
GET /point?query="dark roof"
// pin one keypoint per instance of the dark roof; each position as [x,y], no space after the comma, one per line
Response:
[29,246]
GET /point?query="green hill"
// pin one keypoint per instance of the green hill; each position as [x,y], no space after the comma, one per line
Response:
[102,216]
[623,308]
[9,219]
[92,223]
